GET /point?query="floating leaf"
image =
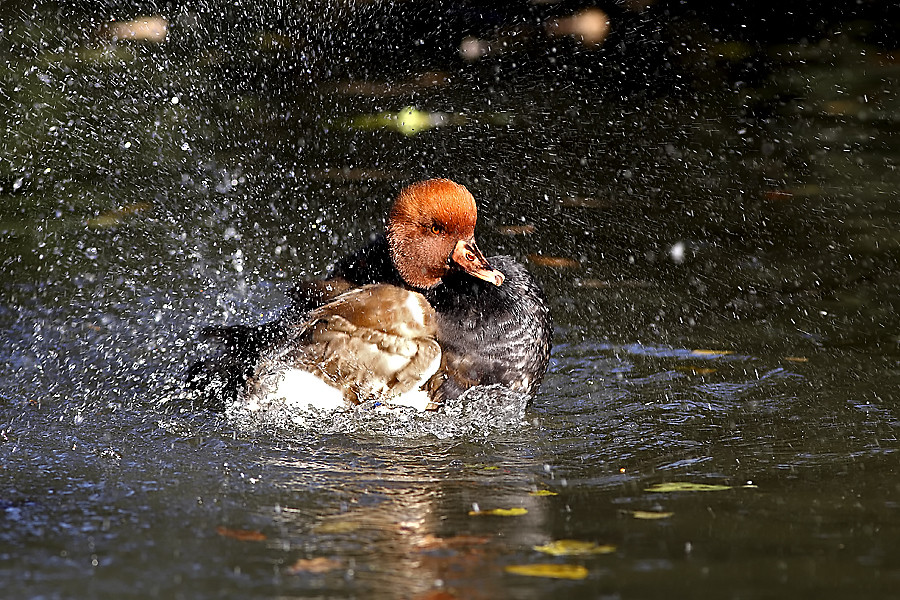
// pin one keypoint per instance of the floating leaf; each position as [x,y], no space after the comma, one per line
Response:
[517,229]
[842,107]
[145,29]
[515,511]
[430,542]
[574,548]
[549,570]
[778,195]
[543,493]
[314,565]
[436,595]
[242,535]
[342,525]
[796,359]
[115,217]
[650,515]
[590,27]
[408,121]
[704,352]
[556,262]
[686,486]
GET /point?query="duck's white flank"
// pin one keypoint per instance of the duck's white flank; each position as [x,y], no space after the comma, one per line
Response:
[302,389]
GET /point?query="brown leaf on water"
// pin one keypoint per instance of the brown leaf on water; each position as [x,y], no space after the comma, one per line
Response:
[589,26]
[319,564]
[796,359]
[435,595]
[153,29]
[555,262]
[517,229]
[111,218]
[432,542]
[842,107]
[778,195]
[242,535]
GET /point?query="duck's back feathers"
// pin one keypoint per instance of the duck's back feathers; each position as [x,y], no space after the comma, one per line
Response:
[375,342]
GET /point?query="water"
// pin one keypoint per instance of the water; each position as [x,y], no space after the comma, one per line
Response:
[721,259]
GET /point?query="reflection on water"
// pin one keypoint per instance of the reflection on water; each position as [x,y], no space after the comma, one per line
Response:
[722,267]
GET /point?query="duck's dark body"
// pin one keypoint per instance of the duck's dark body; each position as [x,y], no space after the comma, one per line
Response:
[488,334]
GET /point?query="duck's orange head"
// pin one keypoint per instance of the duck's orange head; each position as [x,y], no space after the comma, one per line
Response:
[431,229]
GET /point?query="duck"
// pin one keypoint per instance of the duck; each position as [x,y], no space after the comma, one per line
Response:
[416,317]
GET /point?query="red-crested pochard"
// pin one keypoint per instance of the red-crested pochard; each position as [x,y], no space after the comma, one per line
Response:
[416,317]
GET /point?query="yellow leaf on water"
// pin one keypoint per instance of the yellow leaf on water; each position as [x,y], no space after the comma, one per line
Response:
[549,570]
[345,525]
[574,548]
[650,515]
[686,486]
[705,352]
[515,511]
[543,493]
[408,121]
[320,564]
[430,542]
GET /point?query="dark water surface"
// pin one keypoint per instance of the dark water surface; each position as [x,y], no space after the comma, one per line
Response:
[721,256]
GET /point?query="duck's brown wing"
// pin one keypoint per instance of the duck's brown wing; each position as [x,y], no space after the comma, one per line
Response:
[371,264]
[377,341]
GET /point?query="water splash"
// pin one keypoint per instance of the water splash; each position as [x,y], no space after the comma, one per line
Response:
[479,412]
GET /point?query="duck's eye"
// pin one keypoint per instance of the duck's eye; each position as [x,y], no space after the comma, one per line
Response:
[437,229]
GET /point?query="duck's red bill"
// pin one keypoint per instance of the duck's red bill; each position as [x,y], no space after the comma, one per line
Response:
[467,255]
